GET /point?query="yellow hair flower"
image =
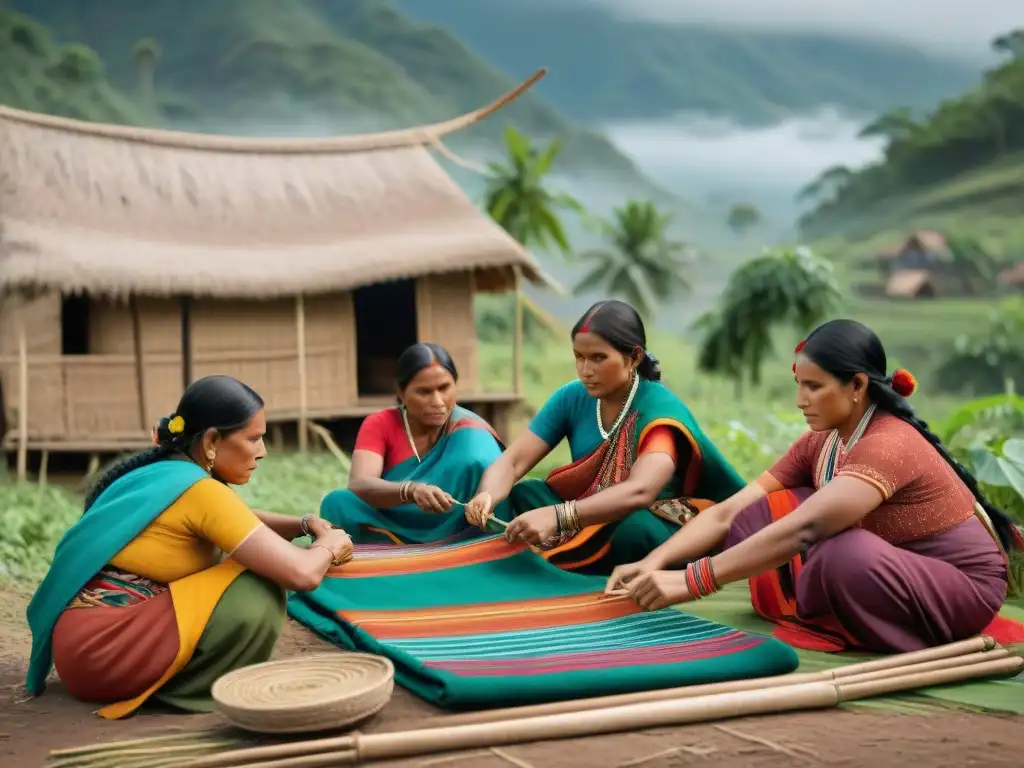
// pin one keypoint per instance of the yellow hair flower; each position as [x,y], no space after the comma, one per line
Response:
[176,425]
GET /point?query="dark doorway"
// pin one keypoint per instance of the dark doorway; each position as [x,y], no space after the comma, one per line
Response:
[74,325]
[385,326]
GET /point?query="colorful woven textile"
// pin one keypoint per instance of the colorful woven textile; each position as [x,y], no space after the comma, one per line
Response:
[481,622]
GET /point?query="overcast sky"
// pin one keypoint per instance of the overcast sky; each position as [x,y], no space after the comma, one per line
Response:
[954,26]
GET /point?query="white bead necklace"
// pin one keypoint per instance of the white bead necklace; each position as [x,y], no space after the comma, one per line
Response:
[622,414]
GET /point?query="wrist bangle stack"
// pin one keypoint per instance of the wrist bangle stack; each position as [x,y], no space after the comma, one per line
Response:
[700,578]
[304,525]
[405,491]
[568,519]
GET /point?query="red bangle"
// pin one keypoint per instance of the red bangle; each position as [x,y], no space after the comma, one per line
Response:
[700,578]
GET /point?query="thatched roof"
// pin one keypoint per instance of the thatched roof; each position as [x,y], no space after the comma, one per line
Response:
[908,283]
[924,239]
[116,210]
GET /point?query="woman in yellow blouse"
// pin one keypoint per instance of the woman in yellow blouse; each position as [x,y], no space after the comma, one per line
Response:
[169,580]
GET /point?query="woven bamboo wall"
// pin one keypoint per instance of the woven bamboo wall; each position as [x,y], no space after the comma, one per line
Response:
[444,308]
[41,316]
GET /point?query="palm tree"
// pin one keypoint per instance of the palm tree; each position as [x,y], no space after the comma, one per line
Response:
[779,288]
[642,265]
[517,196]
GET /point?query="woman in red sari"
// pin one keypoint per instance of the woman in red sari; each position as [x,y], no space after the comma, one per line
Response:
[867,534]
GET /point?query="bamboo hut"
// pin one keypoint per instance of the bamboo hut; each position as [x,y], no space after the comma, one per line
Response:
[133,261]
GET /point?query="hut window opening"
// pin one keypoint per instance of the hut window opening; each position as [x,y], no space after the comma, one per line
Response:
[386,323]
[74,325]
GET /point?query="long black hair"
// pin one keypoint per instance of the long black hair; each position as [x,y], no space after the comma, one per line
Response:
[422,355]
[620,325]
[845,348]
[213,402]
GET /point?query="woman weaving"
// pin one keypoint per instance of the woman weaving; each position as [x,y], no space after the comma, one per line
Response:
[867,534]
[413,463]
[640,463]
[138,603]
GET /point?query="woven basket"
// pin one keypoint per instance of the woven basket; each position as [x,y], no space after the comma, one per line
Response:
[313,693]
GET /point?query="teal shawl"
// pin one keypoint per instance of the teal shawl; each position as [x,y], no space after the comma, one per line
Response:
[118,515]
[455,465]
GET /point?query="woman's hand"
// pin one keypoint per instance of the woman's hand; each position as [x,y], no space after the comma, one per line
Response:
[655,590]
[534,527]
[478,509]
[317,526]
[430,498]
[338,542]
[623,575]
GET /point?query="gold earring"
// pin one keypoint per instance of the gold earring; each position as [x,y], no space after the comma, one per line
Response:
[856,398]
[211,456]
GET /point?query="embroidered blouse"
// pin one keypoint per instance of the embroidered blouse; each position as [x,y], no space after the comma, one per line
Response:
[922,495]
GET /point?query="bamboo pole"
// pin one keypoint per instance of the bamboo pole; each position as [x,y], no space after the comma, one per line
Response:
[518,333]
[186,341]
[140,363]
[300,345]
[22,399]
[945,664]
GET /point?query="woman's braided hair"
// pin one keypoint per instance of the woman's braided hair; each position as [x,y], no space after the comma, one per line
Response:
[221,403]
[845,348]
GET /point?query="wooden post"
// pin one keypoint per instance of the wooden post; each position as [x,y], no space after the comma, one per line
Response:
[517,339]
[140,366]
[22,399]
[300,345]
[186,341]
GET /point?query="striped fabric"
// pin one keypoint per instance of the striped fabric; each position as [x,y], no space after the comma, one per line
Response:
[480,622]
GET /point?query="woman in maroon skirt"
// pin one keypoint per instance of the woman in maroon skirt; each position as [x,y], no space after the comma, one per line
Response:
[866,535]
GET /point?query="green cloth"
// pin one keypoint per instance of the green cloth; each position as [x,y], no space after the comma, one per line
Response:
[732,606]
[242,630]
[482,622]
[455,465]
[118,515]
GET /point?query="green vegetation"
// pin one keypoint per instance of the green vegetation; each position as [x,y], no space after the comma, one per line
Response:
[66,80]
[742,217]
[609,66]
[640,263]
[963,158]
[302,67]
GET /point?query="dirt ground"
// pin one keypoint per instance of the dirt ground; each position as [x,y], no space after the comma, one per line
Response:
[30,728]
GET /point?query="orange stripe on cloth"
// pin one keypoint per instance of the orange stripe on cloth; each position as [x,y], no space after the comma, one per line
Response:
[475,553]
[692,474]
[481,618]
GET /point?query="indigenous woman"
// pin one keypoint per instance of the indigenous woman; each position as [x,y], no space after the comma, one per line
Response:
[640,463]
[139,602]
[412,465]
[866,535]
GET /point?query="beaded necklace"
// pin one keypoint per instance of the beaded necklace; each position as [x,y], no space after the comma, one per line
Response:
[408,432]
[833,443]
[622,414]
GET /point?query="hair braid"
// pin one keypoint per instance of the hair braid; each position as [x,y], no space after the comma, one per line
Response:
[123,467]
[887,399]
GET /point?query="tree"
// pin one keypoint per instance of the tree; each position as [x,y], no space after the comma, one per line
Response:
[742,217]
[518,198]
[780,288]
[893,125]
[147,54]
[1011,43]
[975,264]
[641,264]
[77,64]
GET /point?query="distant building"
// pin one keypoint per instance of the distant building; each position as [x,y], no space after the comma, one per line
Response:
[1011,279]
[921,267]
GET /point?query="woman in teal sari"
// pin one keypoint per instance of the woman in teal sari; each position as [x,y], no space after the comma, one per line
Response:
[412,465]
[641,466]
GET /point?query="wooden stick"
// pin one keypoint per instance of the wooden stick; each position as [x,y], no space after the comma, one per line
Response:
[802,696]
[140,363]
[300,345]
[22,400]
[870,672]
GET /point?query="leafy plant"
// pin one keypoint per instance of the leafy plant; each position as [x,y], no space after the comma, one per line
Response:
[780,288]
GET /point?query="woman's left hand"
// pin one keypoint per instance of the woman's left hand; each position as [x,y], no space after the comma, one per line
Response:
[534,527]
[659,589]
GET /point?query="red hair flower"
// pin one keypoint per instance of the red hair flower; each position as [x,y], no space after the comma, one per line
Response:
[903,382]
